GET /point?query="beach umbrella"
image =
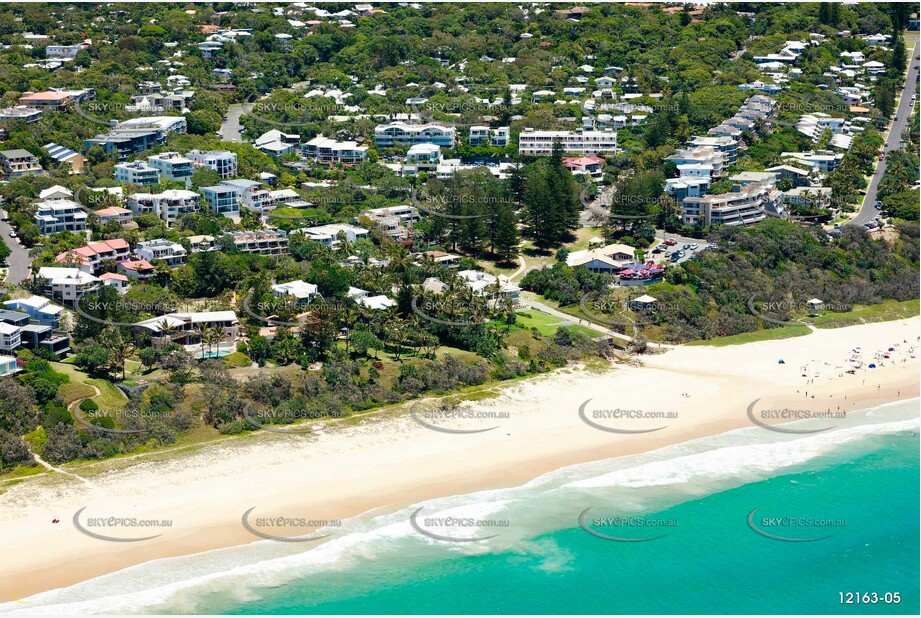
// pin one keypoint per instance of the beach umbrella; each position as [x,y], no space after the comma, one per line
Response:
[780,362]
[872,365]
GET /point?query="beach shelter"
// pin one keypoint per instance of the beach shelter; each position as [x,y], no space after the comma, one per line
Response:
[643,302]
[815,305]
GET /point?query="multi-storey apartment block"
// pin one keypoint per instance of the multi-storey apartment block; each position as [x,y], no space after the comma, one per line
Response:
[169,205]
[532,142]
[223,162]
[137,173]
[387,135]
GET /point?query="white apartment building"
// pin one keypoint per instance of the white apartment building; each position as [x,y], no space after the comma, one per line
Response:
[62,51]
[752,203]
[222,200]
[326,150]
[387,135]
[59,215]
[250,194]
[137,173]
[263,242]
[66,284]
[169,205]
[170,252]
[223,162]
[172,166]
[536,143]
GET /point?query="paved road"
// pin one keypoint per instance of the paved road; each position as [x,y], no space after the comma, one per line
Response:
[231,129]
[868,210]
[18,261]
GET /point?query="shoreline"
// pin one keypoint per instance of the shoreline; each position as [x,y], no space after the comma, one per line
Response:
[394,462]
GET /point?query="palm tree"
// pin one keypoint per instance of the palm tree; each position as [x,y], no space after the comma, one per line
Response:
[215,336]
[202,332]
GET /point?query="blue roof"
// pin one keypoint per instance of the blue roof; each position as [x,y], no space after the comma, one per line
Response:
[59,153]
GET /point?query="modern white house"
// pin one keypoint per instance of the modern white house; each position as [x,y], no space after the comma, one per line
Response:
[170,252]
[328,235]
[489,286]
[536,143]
[137,173]
[388,135]
[66,284]
[39,309]
[481,135]
[301,291]
[223,162]
[333,152]
[421,157]
[168,205]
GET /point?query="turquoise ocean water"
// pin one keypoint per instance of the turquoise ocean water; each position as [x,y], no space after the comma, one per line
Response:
[858,484]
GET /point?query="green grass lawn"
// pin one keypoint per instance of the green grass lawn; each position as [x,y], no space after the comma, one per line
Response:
[109,398]
[863,314]
[549,324]
[767,334]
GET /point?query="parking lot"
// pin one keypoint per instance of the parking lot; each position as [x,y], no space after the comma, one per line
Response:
[670,246]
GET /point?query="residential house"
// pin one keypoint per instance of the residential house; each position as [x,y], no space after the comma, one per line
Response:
[249,194]
[66,156]
[122,216]
[115,280]
[590,165]
[137,135]
[301,291]
[66,284]
[328,235]
[18,162]
[139,269]
[59,215]
[186,328]
[170,252]
[92,257]
[608,259]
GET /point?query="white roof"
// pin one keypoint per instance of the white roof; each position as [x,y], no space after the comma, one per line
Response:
[65,275]
[376,302]
[299,289]
[645,298]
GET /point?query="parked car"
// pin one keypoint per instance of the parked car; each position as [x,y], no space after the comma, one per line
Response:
[670,242]
[12,234]
[694,246]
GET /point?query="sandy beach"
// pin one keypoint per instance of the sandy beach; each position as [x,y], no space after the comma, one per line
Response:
[347,468]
